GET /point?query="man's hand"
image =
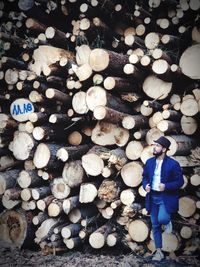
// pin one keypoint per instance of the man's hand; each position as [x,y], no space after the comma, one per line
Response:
[161,187]
[148,188]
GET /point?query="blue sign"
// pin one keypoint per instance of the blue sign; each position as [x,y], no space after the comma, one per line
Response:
[21,108]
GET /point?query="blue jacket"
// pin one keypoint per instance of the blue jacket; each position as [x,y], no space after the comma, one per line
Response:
[171,176]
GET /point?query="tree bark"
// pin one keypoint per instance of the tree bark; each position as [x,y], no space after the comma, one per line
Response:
[28,179]
[97,96]
[101,59]
[8,179]
[70,203]
[45,156]
[98,238]
[72,152]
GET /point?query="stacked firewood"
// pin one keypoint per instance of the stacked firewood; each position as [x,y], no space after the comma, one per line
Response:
[86,87]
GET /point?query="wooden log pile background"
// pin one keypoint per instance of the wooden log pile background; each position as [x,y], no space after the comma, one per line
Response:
[86,86]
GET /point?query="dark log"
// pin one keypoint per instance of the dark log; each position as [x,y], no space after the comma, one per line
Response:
[70,203]
[39,218]
[34,25]
[101,59]
[59,119]
[38,117]
[8,62]
[40,192]
[98,238]
[55,94]
[181,145]
[57,37]
[96,96]
[49,133]
[45,156]
[14,40]
[70,230]
[118,84]
[12,193]
[42,204]
[28,179]
[8,179]
[83,212]
[72,152]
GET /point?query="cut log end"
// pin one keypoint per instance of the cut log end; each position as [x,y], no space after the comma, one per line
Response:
[138,230]
[62,154]
[15,236]
[97,240]
[41,156]
[99,59]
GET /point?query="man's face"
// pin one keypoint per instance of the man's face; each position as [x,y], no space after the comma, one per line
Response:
[158,149]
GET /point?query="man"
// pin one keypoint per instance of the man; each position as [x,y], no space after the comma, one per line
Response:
[162,179]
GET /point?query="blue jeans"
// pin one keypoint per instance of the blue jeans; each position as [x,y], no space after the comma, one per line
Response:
[159,216]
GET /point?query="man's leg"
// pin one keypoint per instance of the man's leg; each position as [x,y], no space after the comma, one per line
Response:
[164,218]
[156,226]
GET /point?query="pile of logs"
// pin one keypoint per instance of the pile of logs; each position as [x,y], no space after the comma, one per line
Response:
[86,87]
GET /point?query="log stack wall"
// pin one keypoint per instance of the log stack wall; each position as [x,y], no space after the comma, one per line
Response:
[86,86]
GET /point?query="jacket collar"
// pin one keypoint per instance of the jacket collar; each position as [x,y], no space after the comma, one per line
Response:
[163,168]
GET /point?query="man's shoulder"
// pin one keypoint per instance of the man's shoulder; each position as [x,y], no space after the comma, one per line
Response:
[171,160]
[150,160]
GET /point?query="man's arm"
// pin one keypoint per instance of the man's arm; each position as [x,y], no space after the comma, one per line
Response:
[145,179]
[177,178]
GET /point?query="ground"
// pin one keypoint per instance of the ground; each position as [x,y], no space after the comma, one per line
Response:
[35,258]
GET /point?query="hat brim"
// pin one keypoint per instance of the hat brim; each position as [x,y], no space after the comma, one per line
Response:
[155,141]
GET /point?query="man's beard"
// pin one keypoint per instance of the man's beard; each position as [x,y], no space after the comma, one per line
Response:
[157,154]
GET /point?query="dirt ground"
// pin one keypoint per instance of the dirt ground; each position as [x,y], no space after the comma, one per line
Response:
[85,258]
